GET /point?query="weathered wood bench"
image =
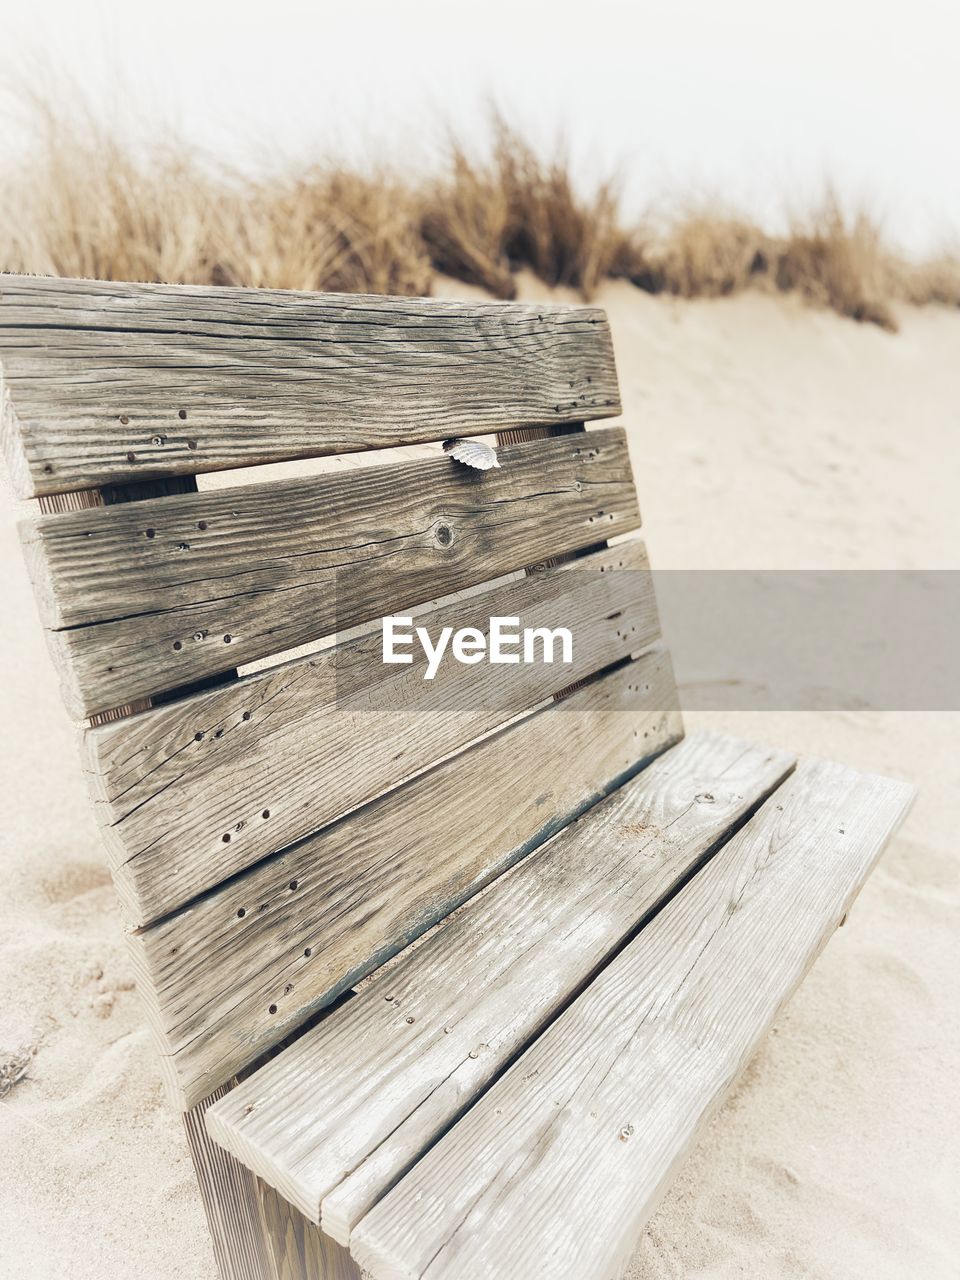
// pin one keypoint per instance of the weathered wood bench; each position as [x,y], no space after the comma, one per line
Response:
[509,1097]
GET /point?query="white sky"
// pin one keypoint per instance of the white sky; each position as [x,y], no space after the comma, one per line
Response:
[755,102]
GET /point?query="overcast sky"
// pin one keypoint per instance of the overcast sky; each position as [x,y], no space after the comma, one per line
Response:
[756,102]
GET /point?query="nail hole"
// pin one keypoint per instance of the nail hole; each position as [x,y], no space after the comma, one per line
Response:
[226,837]
[191,444]
[201,524]
[151,533]
[178,645]
[273,1008]
[47,470]
[198,737]
[241,913]
[227,639]
[294,884]
[411,1018]
[182,413]
[245,716]
[124,419]
[265,814]
[308,952]
[131,457]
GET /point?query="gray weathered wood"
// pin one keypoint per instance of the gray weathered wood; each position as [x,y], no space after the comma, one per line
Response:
[335,1118]
[193,792]
[299,1250]
[154,595]
[228,1190]
[111,382]
[570,1150]
[257,1235]
[233,974]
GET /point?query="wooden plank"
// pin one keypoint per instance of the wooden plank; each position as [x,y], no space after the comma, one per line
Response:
[194,792]
[299,1250]
[338,1116]
[235,973]
[86,500]
[571,1149]
[256,1235]
[108,382]
[150,596]
[518,436]
[228,1190]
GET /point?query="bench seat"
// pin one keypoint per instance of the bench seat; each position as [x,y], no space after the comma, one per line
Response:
[511,1098]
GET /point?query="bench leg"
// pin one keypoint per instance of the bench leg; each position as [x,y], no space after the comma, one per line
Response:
[256,1234]
[299,1249]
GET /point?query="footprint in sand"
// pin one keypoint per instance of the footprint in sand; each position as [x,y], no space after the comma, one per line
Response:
[73,880]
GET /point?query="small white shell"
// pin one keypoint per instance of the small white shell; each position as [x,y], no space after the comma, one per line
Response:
[472,453]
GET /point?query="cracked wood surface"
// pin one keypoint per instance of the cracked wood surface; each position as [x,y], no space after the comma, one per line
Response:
[193,792]
[151,596]
[232,975]
[104,383]
[337,1116]
[557,1168]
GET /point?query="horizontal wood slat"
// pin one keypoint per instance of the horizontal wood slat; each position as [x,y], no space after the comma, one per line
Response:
[150,596]
[229,977]
[338,1116]
[112,382]
[571,1149]
[195,791]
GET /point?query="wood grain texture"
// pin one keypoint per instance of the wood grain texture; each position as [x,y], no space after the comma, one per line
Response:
[570,1150]
[517,436]
[336,1118]
[150,596]
[198,790]
[86,500]
[108,382]
[233,974]
[256,1235]
[230,1201]
[299,1250]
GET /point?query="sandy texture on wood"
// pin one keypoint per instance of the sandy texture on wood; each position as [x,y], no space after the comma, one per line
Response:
[762,434]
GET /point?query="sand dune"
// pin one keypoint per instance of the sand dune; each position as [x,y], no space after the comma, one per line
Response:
[763,434]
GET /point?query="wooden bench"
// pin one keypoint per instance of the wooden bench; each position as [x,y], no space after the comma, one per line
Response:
[625,910]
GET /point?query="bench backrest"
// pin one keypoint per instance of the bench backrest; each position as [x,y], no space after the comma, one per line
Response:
[276,834]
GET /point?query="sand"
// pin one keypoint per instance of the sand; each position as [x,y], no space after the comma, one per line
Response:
[765,435]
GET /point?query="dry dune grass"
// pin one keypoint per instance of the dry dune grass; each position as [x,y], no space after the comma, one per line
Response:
[484,218]
[840,263]
[84,202]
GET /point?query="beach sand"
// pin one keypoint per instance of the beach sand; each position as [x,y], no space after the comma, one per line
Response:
[763,435]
